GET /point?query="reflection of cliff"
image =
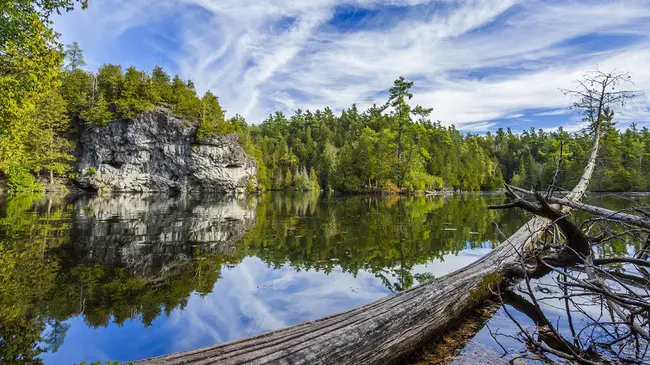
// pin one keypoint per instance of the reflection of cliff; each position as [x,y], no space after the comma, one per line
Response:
[147,234]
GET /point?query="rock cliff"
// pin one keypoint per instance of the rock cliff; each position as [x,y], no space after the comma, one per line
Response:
[157,151]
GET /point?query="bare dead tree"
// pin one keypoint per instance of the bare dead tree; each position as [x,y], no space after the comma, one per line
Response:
[606,299]
[595,97]
[598,92]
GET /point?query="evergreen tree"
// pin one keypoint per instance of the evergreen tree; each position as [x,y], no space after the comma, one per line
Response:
[212,118]
[74,56]
[99,113]
[186,103]
[399,95]
[78,89]
[161,88]
[109,82]
[134,95]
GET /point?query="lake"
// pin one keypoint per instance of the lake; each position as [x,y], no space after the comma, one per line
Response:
[124,277]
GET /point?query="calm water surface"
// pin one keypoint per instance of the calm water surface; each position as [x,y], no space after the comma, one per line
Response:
[127,277]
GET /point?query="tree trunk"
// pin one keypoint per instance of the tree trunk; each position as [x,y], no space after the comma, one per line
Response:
[385,331]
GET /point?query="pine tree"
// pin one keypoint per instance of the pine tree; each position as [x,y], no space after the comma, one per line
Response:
[401,120]
[134,96]
[110,82]
[74,56]
[160,86]
[212,118]
[99,113]
[186,103]
[78,89]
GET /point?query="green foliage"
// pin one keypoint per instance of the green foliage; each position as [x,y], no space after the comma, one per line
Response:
[20,179]
[364,151]
[109,82]
[99,113]
[52,151]
[74,56]
[246,141]
[161,88]
[212,118]
[134,95]
[77,89]
[26,277]
[530,159]
[29,67]
[186,103]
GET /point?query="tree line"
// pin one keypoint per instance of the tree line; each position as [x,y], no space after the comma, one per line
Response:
[47,99]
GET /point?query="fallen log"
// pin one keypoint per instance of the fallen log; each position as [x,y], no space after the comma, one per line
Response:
[390,328]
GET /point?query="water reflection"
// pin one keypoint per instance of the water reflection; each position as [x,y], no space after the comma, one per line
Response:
[126,277]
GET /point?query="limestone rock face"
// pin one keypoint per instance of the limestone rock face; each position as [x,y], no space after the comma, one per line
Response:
[158,152]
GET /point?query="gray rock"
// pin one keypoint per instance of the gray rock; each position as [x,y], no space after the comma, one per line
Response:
[158,152]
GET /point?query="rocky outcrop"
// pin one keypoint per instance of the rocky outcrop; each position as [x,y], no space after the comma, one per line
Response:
[156,151]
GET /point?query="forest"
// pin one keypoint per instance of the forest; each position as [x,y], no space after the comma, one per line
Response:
[47,98]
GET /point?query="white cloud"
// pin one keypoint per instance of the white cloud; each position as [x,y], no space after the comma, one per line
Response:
[552,112]
[473,61]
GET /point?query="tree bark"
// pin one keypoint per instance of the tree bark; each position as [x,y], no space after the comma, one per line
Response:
[387,330]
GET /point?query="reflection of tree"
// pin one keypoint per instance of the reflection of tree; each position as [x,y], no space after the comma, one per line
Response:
[386,236]
[27,275]
[19,341]
[47,278]
[54,338]
[138,258]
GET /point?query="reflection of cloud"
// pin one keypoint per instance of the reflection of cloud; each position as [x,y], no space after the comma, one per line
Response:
[249,299]
[252,298]
[450,263]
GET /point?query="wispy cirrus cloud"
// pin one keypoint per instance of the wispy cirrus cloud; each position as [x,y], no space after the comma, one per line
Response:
[477,63]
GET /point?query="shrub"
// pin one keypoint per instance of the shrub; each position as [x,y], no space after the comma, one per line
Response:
[20,179]
[391,188]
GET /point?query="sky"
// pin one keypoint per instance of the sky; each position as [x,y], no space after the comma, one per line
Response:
[480,65]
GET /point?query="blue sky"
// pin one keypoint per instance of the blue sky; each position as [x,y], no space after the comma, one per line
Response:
[480,64]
